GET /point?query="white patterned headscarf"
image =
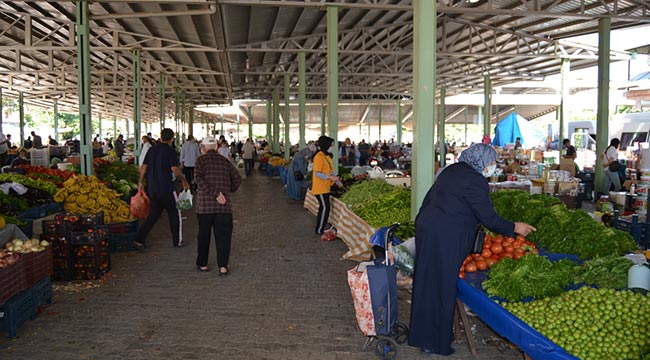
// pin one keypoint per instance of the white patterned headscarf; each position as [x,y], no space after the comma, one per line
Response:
[478,156]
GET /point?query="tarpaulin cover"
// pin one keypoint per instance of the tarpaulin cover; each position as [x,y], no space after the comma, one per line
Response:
[515,126]
[531,342]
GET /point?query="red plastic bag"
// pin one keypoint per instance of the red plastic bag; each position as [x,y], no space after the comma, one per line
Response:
[140,205]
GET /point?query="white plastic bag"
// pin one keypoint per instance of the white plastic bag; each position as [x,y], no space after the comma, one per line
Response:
[184,201]
[376,173]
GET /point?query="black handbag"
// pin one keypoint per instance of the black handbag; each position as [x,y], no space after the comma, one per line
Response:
[298,176]
[479,240]
[614,166]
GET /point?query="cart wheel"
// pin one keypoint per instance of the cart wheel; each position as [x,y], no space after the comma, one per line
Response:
[400,333]
[386,347]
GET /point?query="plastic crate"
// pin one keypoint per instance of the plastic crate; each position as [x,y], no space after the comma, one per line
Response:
[55,227]
[90,221]
[73,220]
[122,242]
[38,265]
[62,269]
[89,269]
[123,227]
[90,255]
[16,311]
[42,292]
[638,230]
[12,280]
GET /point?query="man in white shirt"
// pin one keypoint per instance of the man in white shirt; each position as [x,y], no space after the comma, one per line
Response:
[248,151]
[189,152]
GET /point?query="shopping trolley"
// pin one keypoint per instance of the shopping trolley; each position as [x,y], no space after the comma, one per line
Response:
[374,291]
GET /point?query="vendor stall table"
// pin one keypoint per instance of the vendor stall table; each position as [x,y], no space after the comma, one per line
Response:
[350,228]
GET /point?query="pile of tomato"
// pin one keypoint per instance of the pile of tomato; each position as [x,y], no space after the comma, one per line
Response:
[496,248]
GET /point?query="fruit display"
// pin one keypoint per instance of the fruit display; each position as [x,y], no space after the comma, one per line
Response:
[87,195]
[496,248]
[530,276]
[38,192]
[121,177]
[608,272]
[277,161]
[26,246]
[44,186]
[592,324]
[55,176]
[559,229]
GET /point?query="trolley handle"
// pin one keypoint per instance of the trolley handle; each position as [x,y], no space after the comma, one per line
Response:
[389,235]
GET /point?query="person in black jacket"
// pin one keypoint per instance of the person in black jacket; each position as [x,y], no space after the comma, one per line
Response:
[445,227]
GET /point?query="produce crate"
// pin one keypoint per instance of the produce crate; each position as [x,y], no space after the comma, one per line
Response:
[123,227]
[638,230]
[56,227]
[62,269]
[12,280]
[89,269]
[42,293]
[571,202]
[122,242]
[38,265]
[90,254]
[73,220]
[16,311]
[89,221]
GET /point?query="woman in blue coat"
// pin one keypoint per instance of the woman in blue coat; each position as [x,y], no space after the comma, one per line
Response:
[444,234]
[298,164]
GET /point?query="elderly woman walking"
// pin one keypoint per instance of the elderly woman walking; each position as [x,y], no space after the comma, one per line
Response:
[297,174]
[445,227]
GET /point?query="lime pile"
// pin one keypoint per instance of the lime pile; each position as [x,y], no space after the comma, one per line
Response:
[598,324]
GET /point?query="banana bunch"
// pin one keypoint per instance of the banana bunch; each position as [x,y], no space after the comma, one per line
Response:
[87,195]
[276,161]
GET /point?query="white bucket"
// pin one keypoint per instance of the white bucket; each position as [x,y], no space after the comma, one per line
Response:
[642,188]
[640,203]
[638,277]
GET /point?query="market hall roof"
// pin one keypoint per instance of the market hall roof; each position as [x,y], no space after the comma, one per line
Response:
[215,52]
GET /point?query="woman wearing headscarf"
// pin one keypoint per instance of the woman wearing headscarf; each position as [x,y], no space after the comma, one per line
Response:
[297,174]
[445,227]
[323,178]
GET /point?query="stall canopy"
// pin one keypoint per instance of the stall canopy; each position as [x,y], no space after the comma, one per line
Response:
[515,126]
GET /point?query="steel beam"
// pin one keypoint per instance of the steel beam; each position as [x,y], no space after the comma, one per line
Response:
[398,123]
[85,109]
[487,106]
[333,79]
[287,117]
[323,117]
[602,116]
[190,125]
[249,110]
[565,93]
[269,122]
[424,82]
[442,113]
[302,95]
[137,104]
[276,120]
[21,117]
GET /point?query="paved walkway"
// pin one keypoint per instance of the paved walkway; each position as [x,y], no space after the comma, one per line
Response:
[286,298]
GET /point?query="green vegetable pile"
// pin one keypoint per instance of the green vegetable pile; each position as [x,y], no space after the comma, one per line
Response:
[531,275]
[592,324]
[608,272]
[362,194]
[393,207]
[122,177]
[45,186]
[559,229]
[406,230]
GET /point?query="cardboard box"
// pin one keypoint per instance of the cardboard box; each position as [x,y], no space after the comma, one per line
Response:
[567,188]
[568,165]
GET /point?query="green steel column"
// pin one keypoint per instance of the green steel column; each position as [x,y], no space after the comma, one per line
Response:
[496,114]
[602,117]
[564,95]
[182,122]
[221,119]
[237,137]
[269,123]
[333,79]
[250,122]
[190,125]
[128,128]
[83,64]
[368,121]
[424,81]
[399,121]
[99,131]
[441,128]
[466,112]
[287,117]
[161,99]
[479,113]
[21,116]
[379,123]
[302,99]
[137,103]
[276,120]
[114,128]
[323,123]
[177,112]
[1,111]
[487,92]
[56,119]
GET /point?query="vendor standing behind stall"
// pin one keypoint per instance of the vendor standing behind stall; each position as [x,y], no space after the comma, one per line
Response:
[445,228]
[322,180]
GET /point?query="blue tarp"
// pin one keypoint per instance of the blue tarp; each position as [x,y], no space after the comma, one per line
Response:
[515,126]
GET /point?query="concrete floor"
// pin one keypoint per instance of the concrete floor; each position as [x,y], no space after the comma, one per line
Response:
[286,298]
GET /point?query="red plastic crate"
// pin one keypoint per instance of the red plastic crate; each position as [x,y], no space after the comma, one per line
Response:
[38,265]
[12,280]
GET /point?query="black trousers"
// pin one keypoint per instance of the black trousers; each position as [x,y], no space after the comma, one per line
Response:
[323,212]
[249,164]
[221,225]
[188,172]
[158,203]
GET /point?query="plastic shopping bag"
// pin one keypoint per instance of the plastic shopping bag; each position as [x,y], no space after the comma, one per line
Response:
[140,205]
[184,201]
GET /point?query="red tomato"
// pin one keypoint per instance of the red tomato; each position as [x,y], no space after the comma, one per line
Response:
[491,261]
[486,253]
[470,267]
[482,265]
[496,249]
[461,274]
[509,249]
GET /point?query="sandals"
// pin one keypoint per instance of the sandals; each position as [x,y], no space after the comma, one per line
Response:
[202,268]
[223,273]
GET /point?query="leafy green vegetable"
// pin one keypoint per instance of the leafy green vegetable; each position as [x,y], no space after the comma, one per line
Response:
[388,209]
[406,230]
[608,272]
[530,276]
[362,194]
[29,182]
